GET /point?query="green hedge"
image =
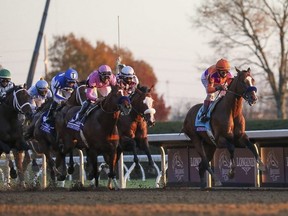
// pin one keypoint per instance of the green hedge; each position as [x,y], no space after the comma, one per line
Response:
[175,127]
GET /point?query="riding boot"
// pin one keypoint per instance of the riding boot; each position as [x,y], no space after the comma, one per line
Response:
[203,117]
[82,111]
[49,116]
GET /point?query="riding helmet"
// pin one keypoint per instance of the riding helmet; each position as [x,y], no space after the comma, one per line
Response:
[71,75]
[4,73]
[223,65]
[127,71]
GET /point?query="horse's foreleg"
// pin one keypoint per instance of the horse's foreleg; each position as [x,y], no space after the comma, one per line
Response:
[245,140]
[19,156]
[231,149]
[61,163]
[71,163]
[112,161]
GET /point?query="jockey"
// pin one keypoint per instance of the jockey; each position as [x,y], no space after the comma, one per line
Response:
[216,78]
[62,85]
[100,81]
[127,79]
[5,83]
[39,93]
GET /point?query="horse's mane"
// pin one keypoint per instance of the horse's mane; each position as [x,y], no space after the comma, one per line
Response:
[82,82]
[45,106]
[143,89]
[16,87]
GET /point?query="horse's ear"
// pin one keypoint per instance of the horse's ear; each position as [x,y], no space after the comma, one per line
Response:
[237,69]
[249,70]
[151,88]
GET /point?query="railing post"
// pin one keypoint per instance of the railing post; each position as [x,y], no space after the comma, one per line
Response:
[122,181]
[163,167]
[81,167]
[44,172]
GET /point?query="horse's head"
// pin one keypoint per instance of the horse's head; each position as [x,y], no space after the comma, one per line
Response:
[78,96]
[117,101]
[142,103]
[244,86]
[18,99]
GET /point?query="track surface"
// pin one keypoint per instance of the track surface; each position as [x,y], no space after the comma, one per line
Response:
[169,201]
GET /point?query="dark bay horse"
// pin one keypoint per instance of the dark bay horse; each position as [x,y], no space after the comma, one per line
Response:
[133,127]
[11,131]
[99,135]
[48,143]
[227,123]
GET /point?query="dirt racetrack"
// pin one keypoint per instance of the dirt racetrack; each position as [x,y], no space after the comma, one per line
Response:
[169,201]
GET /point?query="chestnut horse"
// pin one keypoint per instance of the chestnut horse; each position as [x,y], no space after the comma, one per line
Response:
[99,135]
[133,127]
[227,124]
[11,131]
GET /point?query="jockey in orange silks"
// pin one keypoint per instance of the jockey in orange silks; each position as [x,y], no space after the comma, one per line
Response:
[216,78]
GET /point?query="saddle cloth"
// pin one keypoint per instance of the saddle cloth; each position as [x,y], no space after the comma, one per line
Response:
[205,126]
[77,125]
[45,126]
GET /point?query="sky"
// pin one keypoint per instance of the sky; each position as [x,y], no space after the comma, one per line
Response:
[157,31]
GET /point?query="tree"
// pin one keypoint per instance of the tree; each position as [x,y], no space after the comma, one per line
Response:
[256,31]
[69,51]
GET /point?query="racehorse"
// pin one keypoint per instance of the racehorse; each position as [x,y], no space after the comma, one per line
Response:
[48,143]
[99,134]
[227,123]
[133,127]
[11,131]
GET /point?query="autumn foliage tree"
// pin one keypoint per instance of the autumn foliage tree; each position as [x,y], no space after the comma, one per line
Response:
[69,51]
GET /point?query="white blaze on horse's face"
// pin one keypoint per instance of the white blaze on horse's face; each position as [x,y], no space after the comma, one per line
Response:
[253,96]
[149,102]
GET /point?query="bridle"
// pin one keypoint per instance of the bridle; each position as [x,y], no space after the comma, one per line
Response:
[18,107]
[245,94]
[150,110]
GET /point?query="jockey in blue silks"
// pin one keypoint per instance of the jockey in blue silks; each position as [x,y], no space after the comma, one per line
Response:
[62,85]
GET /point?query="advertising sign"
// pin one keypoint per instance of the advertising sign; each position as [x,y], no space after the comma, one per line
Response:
[245,173]
[273,158]
[178,165]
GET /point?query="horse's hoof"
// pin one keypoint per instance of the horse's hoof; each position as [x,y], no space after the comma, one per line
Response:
[13,173]
[70,170]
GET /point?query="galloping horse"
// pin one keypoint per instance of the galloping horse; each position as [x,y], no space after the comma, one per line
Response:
[133,127]
[48,143]
[227,123]
[11,131]
[99,134]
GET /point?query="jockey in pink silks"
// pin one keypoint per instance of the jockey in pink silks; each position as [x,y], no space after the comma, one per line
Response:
[100,81]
